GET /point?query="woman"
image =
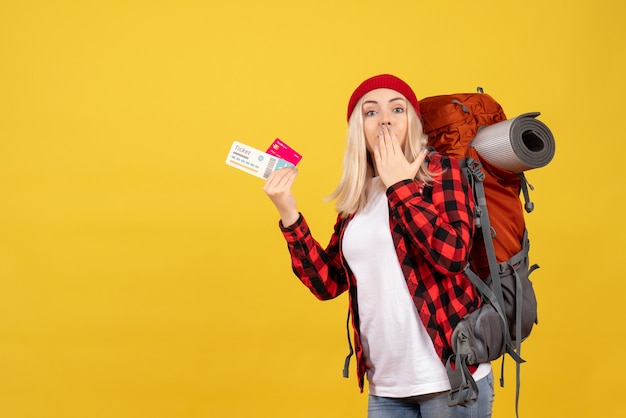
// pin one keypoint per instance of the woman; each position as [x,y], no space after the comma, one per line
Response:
[399,247]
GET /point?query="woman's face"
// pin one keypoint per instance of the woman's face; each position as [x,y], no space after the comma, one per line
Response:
[384,106]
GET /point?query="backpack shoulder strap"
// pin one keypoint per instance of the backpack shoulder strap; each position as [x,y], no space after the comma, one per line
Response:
[493,292]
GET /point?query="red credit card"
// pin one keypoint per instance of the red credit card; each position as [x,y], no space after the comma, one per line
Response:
[281,150]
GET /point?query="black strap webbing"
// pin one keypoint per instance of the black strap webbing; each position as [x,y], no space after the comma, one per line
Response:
[346,363]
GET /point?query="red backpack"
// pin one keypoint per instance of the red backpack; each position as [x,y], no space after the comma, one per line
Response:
[494,153]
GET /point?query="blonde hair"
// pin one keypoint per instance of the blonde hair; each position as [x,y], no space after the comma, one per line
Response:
[351,193]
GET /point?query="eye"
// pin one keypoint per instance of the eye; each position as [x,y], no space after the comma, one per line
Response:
[398,109]
[370,113]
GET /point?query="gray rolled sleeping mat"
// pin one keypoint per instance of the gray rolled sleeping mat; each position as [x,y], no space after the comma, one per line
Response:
[517,144]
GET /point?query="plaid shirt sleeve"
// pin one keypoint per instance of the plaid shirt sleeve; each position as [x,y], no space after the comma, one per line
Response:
[437,218]
[319,269]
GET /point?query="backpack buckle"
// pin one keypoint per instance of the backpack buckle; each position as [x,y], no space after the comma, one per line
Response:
[475,169]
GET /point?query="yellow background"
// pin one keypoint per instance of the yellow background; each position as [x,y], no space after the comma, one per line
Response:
[142,277]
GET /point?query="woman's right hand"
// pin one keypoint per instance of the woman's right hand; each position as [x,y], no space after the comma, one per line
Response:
[278,189]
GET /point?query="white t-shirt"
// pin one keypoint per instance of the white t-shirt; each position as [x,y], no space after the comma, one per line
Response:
[400,357]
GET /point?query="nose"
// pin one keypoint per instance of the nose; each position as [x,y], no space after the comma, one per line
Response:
[385,119]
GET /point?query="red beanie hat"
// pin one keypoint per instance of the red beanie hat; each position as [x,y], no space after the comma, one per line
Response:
[383,81]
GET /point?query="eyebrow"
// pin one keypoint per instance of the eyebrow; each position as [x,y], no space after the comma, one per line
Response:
[375,102]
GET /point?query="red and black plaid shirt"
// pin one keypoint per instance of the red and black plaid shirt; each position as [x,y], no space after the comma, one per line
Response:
[432,228]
